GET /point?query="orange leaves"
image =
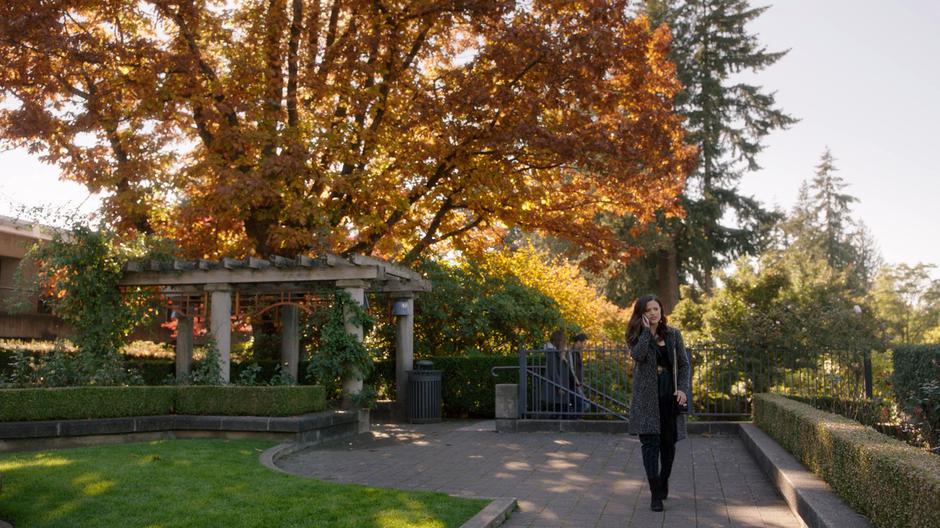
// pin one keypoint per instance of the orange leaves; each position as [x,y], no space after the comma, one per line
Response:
[388,128]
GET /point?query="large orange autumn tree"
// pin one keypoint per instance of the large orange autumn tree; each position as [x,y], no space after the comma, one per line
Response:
[381,127]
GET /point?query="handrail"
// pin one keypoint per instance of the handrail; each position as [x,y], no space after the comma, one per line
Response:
[532,372]
[493,370]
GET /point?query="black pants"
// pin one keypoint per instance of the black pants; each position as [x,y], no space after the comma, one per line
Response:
[662,445]
[653,448]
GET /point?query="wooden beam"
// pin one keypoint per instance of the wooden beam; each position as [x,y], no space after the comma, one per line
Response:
[250,276]
[230,263]
[390,268]
[257,263]
[282,262]
[401,286]
[333,259]
[183,265]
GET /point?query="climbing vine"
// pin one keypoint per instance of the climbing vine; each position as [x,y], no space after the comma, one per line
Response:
[340,353]
[78,273]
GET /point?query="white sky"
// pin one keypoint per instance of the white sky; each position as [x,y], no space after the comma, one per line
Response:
[862,77]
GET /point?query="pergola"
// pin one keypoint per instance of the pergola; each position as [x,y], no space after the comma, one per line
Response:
[220,289]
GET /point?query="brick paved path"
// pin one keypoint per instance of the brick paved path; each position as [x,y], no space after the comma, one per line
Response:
[560,479]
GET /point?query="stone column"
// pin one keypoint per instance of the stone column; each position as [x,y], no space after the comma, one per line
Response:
[290,339]
[220,325]
[507,407]
[184,346]
[357,291]
[403,310]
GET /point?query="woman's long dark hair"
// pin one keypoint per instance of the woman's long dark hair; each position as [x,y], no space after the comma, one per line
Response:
[635,326]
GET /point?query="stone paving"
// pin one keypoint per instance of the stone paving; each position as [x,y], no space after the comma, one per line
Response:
[560,479]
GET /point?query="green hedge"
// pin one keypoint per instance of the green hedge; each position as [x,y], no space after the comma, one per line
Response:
[893,484]
[916,383]
[155,371]
[230,400]
[113,402]
[467,386]
[84,402]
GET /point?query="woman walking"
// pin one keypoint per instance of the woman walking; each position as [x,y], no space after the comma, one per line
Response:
[661,384]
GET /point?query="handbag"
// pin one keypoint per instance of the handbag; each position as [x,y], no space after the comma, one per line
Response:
[683,408]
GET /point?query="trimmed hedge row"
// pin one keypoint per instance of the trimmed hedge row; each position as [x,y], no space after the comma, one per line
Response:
[893,484]
[69,403]
[916,383]
[84,402]
[468,387]
[286,400]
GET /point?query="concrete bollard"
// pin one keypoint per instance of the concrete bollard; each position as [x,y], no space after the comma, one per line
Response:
[507,407]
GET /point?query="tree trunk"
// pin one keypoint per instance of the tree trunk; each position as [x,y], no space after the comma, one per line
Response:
[668,279]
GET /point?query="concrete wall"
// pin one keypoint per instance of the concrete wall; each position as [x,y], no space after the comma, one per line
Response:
[30,324]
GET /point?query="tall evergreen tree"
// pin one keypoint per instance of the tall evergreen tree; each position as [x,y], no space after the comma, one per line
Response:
[727,119]
[822,226]
[834,209]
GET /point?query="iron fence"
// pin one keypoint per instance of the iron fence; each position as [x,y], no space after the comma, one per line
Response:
[587,383]
[724,380]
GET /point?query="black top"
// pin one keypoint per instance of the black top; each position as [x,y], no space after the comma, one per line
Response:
[662,357]
[668,428]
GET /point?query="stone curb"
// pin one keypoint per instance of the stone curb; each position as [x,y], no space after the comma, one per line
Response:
[271,455]
[491,516]
[308,428]
[809,497]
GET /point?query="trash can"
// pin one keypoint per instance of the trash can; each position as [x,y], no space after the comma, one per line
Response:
[424,393]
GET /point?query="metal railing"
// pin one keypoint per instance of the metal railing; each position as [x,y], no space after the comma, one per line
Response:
[724,380]
[588,383]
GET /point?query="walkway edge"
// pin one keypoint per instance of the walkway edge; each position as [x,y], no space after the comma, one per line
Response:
[810,498]
[491,516]
[270,456]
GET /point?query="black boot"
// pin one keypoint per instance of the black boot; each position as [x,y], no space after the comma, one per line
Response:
[663,488]
[656,502]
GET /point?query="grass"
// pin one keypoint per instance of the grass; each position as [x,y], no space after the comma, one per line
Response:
[200,483]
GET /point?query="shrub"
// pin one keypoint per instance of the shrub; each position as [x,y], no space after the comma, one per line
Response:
[62,368]
[233,400]
[340,354]
[84,402]
[154,371]
[893,484]
[80,268]
[473,308]
[916,382]
[69,403]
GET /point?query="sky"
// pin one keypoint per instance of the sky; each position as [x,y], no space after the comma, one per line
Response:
[860,75]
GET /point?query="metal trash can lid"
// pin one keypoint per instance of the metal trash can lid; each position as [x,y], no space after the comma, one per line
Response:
[424,364]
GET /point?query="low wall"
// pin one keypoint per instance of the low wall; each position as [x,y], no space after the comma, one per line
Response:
[310,428]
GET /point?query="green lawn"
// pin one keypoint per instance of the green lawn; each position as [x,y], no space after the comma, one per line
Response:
[200,483]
